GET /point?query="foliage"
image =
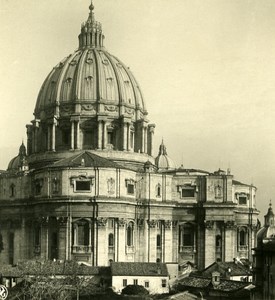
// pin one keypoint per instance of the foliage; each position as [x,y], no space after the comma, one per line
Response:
[135,290]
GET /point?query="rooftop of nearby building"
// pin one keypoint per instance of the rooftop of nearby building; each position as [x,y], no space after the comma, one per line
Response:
[234,268]
[138,269]
[51,267]
[225,285]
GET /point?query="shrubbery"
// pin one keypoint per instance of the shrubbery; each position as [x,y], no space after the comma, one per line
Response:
[135,290]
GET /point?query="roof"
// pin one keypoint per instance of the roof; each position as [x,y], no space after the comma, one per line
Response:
[235,182]
[224,286]
[237,269]
[138,269]
[86,159]
[51,267]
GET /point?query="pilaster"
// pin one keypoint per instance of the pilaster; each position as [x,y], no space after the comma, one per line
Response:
[209,242]
[63,238]
[102,242]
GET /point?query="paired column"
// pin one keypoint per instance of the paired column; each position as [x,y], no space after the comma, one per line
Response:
[75,125]
[150,138]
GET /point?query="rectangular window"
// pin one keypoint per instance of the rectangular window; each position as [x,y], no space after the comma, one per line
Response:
[124,282]
[146,284]
[82,186]
[135,282]
[188,192]
[163,282]
[242,200]
[130,188]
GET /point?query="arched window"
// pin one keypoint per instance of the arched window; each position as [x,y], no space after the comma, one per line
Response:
[12,190]
[158,241]
[81,235]
[186,236]
[242,237]
[130,234]
[111,240]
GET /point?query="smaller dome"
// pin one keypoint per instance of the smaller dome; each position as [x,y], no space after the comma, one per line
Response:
[19,162]
[163,161]
[267,232]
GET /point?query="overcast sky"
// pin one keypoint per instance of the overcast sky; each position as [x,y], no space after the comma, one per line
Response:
[206,69]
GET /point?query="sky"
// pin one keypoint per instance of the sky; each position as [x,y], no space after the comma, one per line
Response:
[206,69]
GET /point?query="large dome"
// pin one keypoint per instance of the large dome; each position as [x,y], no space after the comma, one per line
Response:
[94,79]
[90,101]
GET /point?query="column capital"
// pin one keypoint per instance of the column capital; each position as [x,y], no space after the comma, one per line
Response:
[167,224]
[152,223]
[229,224]
[101,222]
[208,224]
[121,222]
[62,221]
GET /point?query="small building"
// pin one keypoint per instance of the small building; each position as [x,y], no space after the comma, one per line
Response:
[153,276]
[236,270]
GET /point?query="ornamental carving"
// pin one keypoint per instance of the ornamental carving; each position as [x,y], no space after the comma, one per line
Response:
[119,65]
[89,61]
[66,108]
[101,222]
[129,111]
[167,224]
[73,62]
[218,191]
[111,108]
[89,79]
[88,107]
[121,222]
[208,224]
[111,186]
[152,223]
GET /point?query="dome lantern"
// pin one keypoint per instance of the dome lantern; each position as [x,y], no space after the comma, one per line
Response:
[91,32]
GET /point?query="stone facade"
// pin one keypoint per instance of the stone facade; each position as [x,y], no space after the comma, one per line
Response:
[87,186]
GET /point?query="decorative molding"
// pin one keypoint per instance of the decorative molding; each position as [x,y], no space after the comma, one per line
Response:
[88,107]
[111,108]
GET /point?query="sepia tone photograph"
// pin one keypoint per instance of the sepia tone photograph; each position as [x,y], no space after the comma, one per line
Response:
[137,149]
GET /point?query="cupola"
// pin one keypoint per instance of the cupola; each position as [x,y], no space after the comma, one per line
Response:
[163,161]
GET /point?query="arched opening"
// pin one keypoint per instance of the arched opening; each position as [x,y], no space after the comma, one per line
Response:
[130,234]
[81,236]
